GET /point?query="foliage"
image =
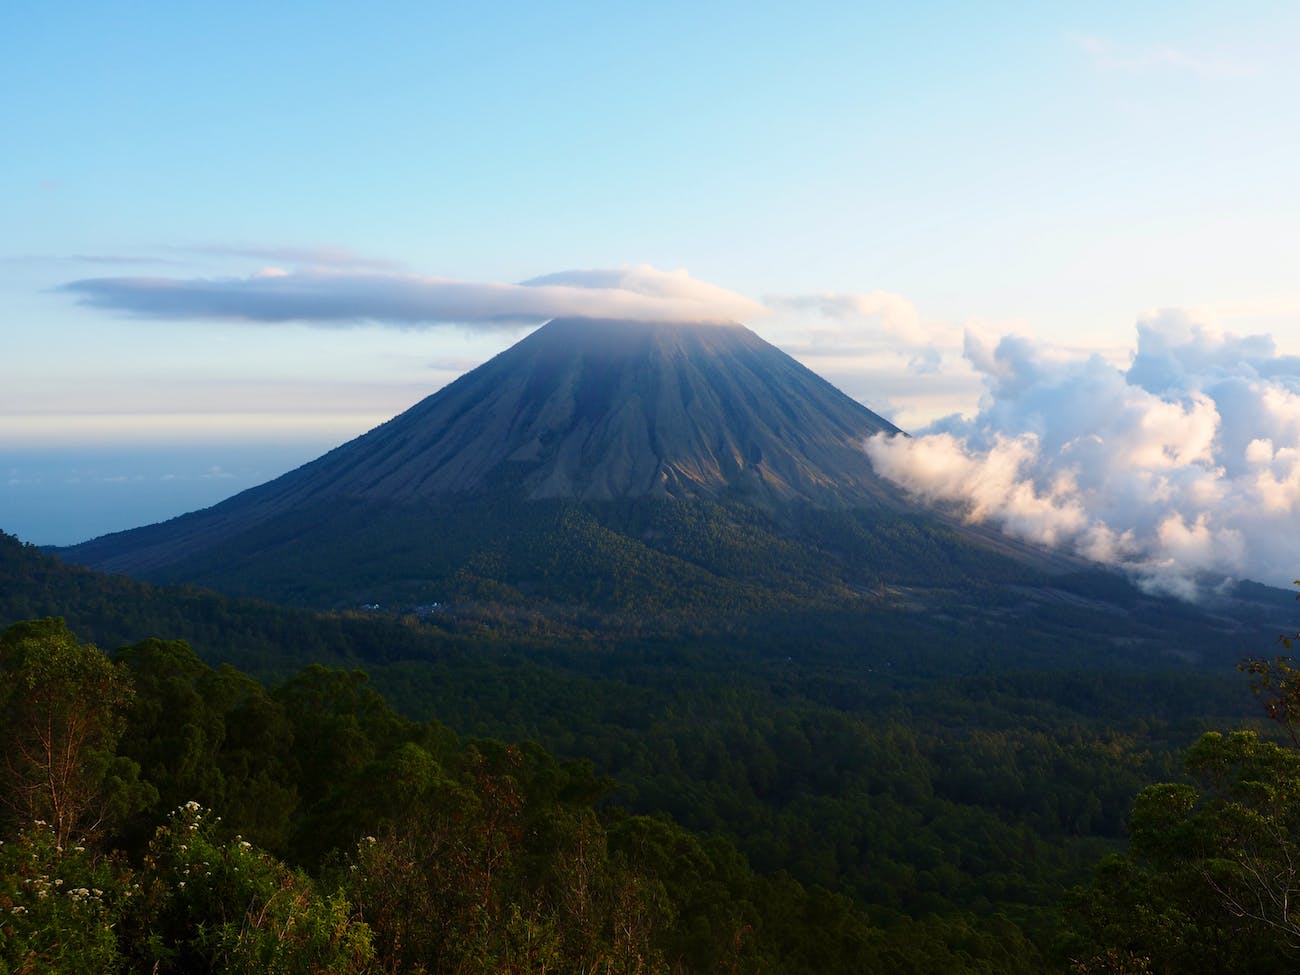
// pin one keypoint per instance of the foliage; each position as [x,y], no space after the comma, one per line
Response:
[223,906]
[1211,881]
[59,906]
[485,857]
[62,707]
[631,559]
[1277,683]
[913,783]
[210,735]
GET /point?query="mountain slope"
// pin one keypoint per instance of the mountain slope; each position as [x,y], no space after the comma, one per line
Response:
[580,409]
[599,410]
[622,467]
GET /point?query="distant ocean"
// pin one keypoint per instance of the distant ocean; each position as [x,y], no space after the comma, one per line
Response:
[63,495]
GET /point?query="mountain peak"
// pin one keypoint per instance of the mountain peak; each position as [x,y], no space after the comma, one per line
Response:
[599,409]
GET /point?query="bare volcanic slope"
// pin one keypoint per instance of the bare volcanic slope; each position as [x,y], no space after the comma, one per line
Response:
[580,409]
[597,410]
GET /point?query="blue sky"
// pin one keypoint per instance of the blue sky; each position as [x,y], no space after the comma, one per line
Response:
[881,189]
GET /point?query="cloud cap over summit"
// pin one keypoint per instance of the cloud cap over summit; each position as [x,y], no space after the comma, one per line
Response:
[344,295]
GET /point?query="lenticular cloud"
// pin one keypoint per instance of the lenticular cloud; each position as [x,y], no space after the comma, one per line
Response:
[1184,468]
[356,292]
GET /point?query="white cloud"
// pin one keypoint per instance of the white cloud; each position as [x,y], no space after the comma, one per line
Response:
[847,313]
[1184,465]
[333,296]
[319,255]
[876,346]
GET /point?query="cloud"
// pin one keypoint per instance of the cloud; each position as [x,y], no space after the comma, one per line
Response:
[876,346]
[671,287]
[332,296]
[894,314]
[1182,466]
[1108,56]
[321,255]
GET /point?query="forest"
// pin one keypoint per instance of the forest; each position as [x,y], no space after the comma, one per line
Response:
[494,797]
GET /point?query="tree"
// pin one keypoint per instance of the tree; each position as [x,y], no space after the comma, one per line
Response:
[1211,881]
[1277,682]
[62,710]
[1250,814]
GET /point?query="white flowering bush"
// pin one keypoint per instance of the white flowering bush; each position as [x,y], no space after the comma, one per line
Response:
[58,906]
[225,906]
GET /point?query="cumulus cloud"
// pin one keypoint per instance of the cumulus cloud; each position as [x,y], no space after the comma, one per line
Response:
[892,313]
[877,347]
[1182,467]
[337,296]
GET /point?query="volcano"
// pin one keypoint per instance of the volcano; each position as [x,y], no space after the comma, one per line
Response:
[596,410]
[589,418]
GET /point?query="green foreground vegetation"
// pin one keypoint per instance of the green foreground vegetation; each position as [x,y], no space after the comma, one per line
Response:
[163,815]
[779,795]
[323,832]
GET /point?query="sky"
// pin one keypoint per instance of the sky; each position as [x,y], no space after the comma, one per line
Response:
[234,235]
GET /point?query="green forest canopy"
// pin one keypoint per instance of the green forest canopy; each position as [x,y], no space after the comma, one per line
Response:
[208,822]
